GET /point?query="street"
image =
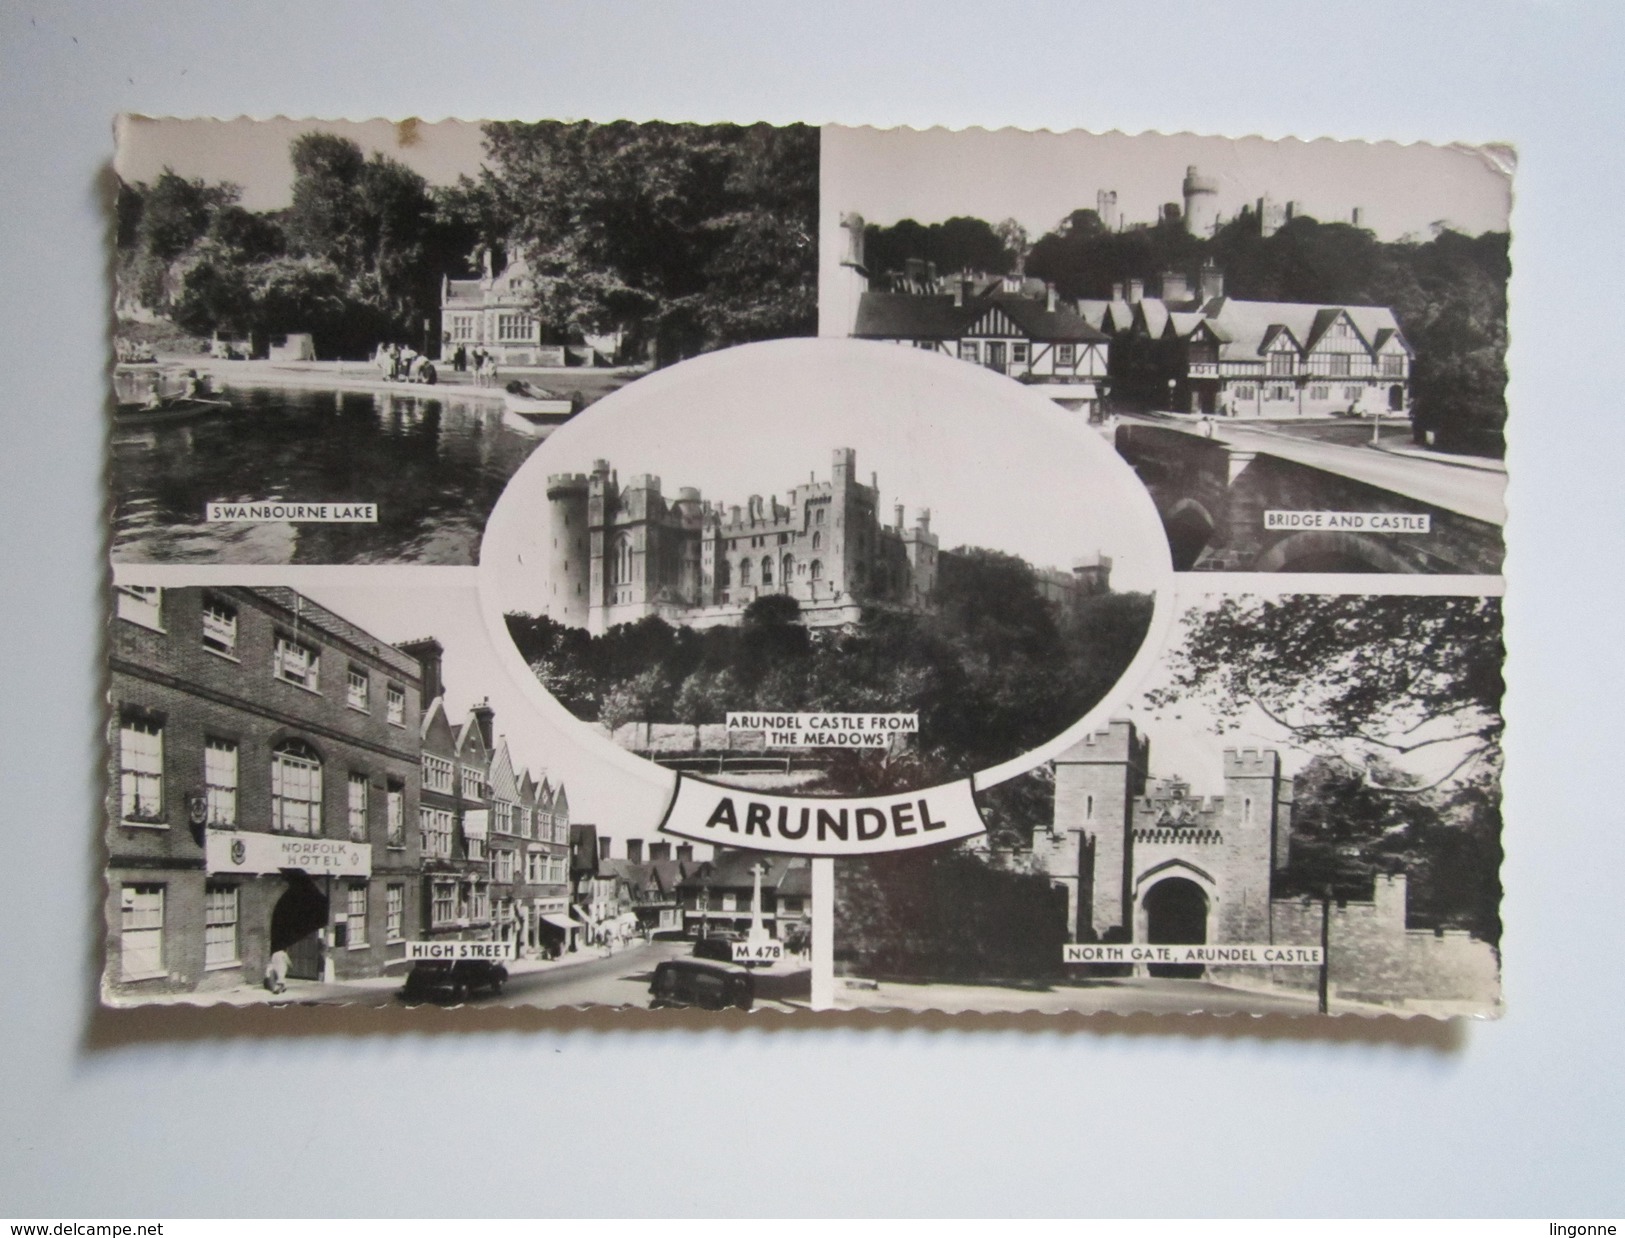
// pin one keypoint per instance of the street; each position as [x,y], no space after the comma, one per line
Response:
[585,978]
[1469,491]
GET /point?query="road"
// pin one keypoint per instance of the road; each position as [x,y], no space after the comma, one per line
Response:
[1152,996]
[1470,492]
[620,979]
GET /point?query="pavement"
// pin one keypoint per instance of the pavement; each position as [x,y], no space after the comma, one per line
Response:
[593,383]
[1126,996]
[1416,474]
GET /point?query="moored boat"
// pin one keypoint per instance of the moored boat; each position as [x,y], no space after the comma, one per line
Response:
[537,404]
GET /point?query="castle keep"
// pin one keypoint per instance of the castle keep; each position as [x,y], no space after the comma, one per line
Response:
[621,553]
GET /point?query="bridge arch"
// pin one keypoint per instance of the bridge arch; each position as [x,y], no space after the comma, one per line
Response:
[1189,526]
[1324,550]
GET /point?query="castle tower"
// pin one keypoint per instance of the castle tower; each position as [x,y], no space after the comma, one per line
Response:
[1106,208]
[569,567]
[1096,782]
[1201,202]
[1255,817]
[920,545]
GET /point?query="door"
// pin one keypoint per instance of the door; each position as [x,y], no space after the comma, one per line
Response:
[1176,914]
[997,351]
[297,922]
[1396,399]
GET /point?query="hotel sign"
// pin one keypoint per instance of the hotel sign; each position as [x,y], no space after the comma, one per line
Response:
[232,851]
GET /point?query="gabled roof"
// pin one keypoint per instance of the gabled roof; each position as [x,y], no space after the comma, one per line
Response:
[1184,323]
[435,731]
[471,741]
[504,786]
[730,869]
[900,315]
[1153,314]
[561,801]
[527,790]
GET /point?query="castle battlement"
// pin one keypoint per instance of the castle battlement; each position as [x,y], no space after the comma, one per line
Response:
[691,562]
[1251,763]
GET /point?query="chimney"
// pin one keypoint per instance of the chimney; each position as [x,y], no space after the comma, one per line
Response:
[685,852]
[485,718]
[634,850]
[914,272]
[1358,217]
[1049,296]
[1212,282]
[899,510]
[1117,292]
[1175,286]
[603,846]
[1136,290]
[428,653]
[659,852]
[922,519]
[959,293]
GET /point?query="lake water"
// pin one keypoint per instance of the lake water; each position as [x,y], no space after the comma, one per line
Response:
[433,465]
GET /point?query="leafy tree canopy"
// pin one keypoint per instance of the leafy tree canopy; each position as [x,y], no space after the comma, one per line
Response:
[1363,679]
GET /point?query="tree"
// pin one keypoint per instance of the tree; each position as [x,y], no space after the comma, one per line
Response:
[687,237]
[1362,679]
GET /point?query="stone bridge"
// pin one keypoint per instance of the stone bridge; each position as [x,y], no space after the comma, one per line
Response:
[1213,493]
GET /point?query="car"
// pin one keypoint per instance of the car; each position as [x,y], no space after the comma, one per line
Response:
[718,946]
[442,980]
[680,984]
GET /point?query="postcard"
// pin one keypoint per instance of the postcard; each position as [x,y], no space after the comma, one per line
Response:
[777,568]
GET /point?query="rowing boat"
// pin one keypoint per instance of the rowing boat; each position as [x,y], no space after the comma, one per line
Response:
[176,408]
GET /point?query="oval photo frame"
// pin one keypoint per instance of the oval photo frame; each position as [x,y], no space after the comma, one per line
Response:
[1020,468]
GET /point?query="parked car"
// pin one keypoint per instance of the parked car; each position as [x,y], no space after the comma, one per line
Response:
[718,946]
[441,980]
[683,983]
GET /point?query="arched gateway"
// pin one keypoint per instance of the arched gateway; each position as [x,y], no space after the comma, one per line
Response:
[1176,914]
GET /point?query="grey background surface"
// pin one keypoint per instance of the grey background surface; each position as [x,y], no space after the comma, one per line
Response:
[193,1113]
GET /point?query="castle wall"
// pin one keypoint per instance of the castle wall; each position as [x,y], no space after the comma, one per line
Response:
[1375,958]
[1096,781]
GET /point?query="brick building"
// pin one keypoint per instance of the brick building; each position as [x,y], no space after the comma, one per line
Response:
[265,768]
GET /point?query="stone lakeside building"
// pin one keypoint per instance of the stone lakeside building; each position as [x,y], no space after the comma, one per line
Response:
[1143,860]
[620,554]
[277,783]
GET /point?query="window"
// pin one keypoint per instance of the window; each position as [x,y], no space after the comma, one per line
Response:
[1393,366]
[437,774]
[1339,365]
[219,925]
[462,327]
[1244,393]
[141,769]
[1280,364]
[220,781]
[141,604]
[621,561]
[296,663]
[1280,392]
[1204,354]
[395,815]
[815,569]
[356,692]
[479,902]
[355,907]
[1019,353]
[515,327]
[1318,393]
[434,824]
[504,866]
[970,350]
[744,573]
[357,807]
[533,867]
[767,571]
[296,788]
[1066,354]
[473,783]
[443,903]
[818,541]
[394,912]
[818,516]
[141,932]
[1247,809]
[730,902]
[476,846]
[1351,393]
[1341,329]
[788,569]
[219,627]
[395,705]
